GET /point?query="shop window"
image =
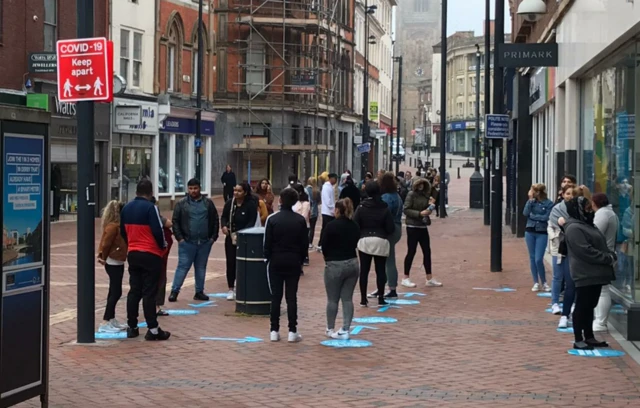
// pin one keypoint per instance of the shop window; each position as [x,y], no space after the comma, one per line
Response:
[163,163]
[608,109]
[68,187]
[182,163]
[136,166]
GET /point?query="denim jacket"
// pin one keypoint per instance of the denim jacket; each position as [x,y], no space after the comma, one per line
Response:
[537,213]
[394,202]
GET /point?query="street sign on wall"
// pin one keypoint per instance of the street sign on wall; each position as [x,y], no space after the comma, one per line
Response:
[42,63]
[373,111]
[497,126]
[364,148]
[83,70]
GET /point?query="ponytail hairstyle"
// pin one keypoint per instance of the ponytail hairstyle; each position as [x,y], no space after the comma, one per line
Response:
[344,208]
[111,213]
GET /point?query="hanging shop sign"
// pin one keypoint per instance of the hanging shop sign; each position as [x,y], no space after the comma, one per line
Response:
[374,113]
[528,55]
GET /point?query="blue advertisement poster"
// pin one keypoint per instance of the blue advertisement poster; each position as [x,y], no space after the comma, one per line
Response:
[22,190]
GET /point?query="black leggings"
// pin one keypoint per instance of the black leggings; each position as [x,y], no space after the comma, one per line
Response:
[115,272]
[381,275]
[312,229]
[230,253]
[417,236]
[586,300]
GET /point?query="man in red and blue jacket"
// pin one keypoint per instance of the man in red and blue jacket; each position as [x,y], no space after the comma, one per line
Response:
[141,228]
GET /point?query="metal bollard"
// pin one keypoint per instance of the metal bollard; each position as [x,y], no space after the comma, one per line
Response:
[450,163]
[458,172]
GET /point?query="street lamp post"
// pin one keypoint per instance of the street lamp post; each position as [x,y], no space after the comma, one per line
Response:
[443,111]
[476,181]
[200,63]
[397,159]
[393,77]
[365,109]
[487,110]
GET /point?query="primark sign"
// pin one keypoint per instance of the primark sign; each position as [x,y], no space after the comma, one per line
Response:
[528,55]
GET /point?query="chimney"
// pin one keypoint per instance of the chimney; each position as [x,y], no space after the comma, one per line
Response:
[492,28]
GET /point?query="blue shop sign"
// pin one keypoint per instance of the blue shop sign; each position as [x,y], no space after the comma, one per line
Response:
[188,126]
[457,125]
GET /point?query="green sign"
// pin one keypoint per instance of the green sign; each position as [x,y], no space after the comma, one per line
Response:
[38,101]
[373,111]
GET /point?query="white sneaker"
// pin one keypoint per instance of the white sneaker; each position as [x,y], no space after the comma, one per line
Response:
[231,295]
[536,288]
[407,283]
[573,306]
[555,309]
[597,327]
[294,337]
[329,332]
[310,246]
[115,323]
[546,287]
[433,283]
[319,248]
[275,336]
[108,328]
[340,335]
[563,324]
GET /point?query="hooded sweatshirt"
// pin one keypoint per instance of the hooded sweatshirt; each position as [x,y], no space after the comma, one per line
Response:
[607,222]
[416,202]
[590,260]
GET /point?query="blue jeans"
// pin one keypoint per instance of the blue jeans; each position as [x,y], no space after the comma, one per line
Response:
[537,244]
[192,254]
[561,274]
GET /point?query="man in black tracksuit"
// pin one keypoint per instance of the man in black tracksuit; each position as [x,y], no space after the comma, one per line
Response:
[286,246]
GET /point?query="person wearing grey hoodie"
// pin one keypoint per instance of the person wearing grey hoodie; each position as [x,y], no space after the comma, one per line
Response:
[607,222]
[591,267]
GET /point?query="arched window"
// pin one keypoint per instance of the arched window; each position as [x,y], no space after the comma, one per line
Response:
[174,51]
[194,58]
[255,64]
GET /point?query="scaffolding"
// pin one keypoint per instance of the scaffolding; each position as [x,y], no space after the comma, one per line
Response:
[294,63]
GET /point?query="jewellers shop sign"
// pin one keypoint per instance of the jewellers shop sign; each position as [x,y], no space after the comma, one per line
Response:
[528,55]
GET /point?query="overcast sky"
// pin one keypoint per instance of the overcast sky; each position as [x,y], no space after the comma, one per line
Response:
[468,15]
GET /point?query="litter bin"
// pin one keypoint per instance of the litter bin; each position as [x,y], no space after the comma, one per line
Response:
[252,286]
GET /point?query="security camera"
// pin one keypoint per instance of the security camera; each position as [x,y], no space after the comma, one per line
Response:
[35,18]
[532,10]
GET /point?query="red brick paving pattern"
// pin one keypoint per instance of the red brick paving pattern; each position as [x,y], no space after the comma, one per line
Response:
[458,348]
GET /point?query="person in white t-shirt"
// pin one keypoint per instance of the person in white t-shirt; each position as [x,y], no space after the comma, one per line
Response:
[328,203]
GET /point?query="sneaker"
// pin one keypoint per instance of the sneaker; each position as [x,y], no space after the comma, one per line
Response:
[433,283]
[340,335]
[108,328]
[581,345]
[200,296]
[597,344]
[407,283]
[382,302]
[275,336]
[373,294]
[392,294]
[133,332]
[173,297]
[294,337]
[536,287]
[231,295]
[364,303]
[319,248]
[329,333]
[115,323]
[555,309]
[563,324]
[306,262]
[597,327]
[310,246]
[546,287]
[162,335]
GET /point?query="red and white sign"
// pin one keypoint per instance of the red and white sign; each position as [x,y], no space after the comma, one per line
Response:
[84,70]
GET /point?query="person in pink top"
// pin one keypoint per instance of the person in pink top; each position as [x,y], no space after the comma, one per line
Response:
[303,207]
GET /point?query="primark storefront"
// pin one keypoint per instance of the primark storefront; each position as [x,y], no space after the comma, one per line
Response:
[599,82]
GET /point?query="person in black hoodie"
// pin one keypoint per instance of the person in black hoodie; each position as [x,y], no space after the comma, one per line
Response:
[286,246]
[351,191]
[228,180]
[376,224]
[239,213]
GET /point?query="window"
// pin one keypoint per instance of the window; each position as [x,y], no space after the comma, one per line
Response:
[50,24]
[255,61]
[137,59]
[1,5]
[421,5]
[182,161]
[173,57]
[163,163]
[171,61]
[222,70]
[124,54]
[460,86]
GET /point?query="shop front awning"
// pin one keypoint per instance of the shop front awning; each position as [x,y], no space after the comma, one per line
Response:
[257,147]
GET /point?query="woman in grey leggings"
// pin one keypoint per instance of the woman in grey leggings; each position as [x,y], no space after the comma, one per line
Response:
[341,271]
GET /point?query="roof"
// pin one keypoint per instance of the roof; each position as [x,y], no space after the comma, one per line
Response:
[463,39]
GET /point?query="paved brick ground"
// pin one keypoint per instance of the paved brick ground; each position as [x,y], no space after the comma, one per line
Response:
[458,348]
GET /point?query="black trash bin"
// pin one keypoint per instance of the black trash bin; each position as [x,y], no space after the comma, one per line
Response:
[252,286]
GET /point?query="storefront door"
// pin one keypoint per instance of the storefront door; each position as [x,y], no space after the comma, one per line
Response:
[129,166]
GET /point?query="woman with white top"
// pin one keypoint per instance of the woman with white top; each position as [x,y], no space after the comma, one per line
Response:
[607,222]
[303,207]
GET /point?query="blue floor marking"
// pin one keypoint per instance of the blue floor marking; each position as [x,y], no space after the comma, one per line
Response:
[347,343]
[358,329]
[384,308]
[204,304]
[402,302]
[174,312]
[110,336]
[217,295]
[247,339]
[412,294]
[565,330]
[375,319]
[596,353]
[544,294]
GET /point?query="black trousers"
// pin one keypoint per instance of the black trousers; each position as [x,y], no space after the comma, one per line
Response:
[326,219]
[312,228]
[144,273]
[381,275]
[586,300]
[115,272]
[230,251]
[227,193]
[284,284]
[417,236]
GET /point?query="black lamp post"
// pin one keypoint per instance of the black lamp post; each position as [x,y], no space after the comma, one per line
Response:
[476,181]
[365,109]
[200,63]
